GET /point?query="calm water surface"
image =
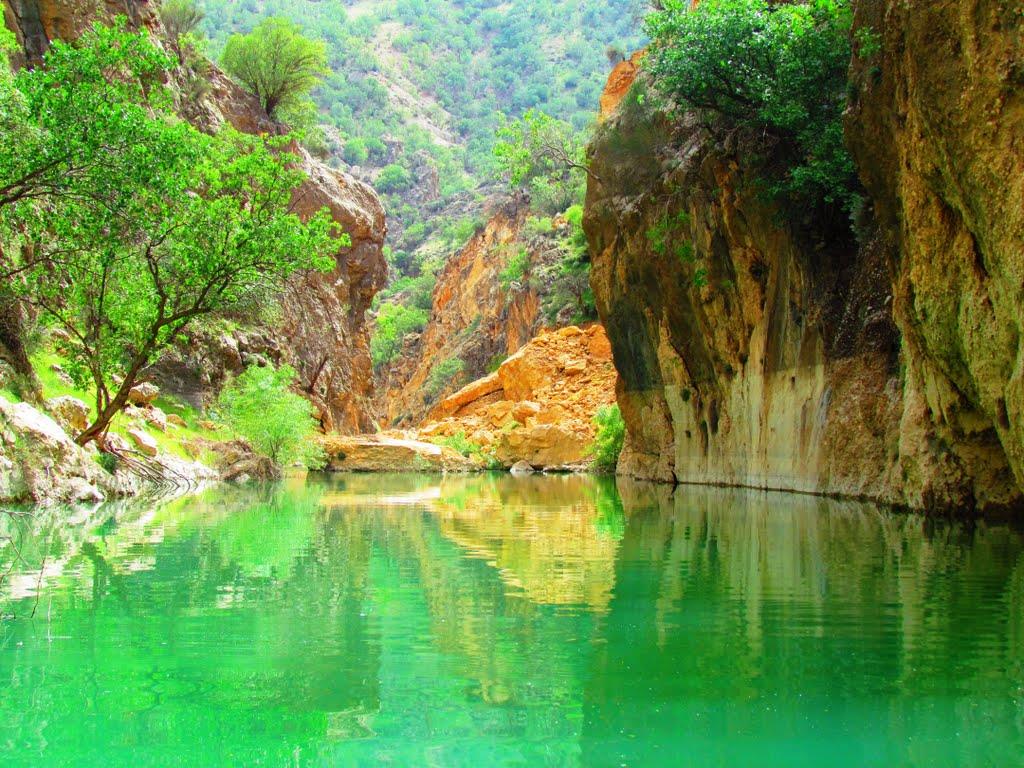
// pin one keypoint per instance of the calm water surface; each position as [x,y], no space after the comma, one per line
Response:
[495,621]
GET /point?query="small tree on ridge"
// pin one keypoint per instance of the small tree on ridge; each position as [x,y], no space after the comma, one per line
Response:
[276,63]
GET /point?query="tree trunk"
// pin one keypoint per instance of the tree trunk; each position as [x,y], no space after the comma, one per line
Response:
[104,418]
[12,347]
[120,399]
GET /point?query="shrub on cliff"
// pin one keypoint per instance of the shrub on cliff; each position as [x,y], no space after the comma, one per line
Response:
[546,156]
[611,434]
[260,406]
[445,375]
[777,69]
[180,18]
[394,323]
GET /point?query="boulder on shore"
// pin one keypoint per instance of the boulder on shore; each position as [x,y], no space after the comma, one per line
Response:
[539,406]
[40,463]
[70,412]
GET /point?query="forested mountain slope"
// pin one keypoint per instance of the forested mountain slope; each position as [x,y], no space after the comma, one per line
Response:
[418,87]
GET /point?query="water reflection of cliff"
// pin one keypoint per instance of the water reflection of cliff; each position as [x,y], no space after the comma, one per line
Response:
[747,614]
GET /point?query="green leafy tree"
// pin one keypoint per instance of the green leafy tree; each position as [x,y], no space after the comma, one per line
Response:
[180,18]
[538,146]
[393,323]
[216,233]
[132,223]
[777,69]
[78,123]
[78,127]
[261,406]
[392,178]
[277,63]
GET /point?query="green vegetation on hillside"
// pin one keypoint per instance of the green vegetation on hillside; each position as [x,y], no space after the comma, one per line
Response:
[422,84]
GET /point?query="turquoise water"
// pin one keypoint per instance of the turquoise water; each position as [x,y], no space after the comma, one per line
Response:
[496,621]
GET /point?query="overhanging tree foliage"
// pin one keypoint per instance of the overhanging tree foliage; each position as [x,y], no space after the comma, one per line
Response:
[538,146]
[216,233]
[75,128]
[778,69]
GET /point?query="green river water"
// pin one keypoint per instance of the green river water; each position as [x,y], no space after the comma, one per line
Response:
[496,621]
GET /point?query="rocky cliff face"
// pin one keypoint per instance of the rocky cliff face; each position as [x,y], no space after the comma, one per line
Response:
[775,355]
[37,22]
[320,327]
[936,130]
[473,319]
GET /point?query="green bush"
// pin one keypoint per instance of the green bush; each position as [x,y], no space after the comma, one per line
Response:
[460,444]
[466,447]
[394,322]
[260,406]
[515,270]
[611,433]
[356,151]
[778,69]
[392,178]
[538,226]
[443,376]
[108,461]
[276,63]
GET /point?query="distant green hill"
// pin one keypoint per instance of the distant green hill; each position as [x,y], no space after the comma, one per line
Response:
[419,85]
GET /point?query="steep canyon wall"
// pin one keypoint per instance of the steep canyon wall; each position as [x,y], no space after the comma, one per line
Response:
[756,349]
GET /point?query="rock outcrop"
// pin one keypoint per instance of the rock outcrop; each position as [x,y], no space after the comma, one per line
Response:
[41,464]
[322,330]
[539,406]
[780,355]
[473,319]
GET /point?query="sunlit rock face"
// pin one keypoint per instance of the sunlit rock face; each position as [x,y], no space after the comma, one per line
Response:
[539,405]
[320,326]
[36,22]
[780,354]
[473,318]
[747,355]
